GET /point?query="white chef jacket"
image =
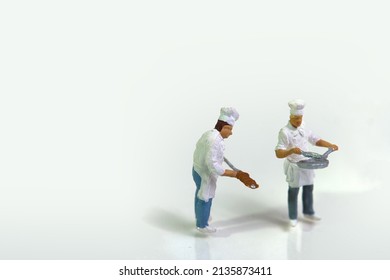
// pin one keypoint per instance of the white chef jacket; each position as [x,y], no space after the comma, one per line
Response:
[208,159]
[290,137]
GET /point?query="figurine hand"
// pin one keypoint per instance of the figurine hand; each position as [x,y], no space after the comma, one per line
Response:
[334,147]
[241,175]
[246,179]
[296,151]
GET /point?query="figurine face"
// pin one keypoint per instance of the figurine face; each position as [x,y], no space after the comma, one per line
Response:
[296,121]
[226,131]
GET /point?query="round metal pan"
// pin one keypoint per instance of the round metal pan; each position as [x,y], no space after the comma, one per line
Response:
[315,161]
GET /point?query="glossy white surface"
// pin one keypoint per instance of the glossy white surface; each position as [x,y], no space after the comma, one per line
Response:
[102,104]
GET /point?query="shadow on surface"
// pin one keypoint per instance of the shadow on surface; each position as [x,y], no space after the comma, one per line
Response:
[170,221]
[250,222]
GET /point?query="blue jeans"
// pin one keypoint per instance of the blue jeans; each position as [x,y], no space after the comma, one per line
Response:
[202,208]
[307,199]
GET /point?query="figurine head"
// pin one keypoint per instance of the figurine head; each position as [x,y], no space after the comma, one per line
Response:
[296,120]
[296,111]
[227,118]
[226,131]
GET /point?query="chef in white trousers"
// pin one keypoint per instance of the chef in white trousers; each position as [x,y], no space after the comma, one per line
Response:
[294,138]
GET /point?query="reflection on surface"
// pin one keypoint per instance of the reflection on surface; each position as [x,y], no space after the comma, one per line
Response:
[296,238]
[202,248]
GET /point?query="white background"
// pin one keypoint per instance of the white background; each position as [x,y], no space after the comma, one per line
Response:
[102,103]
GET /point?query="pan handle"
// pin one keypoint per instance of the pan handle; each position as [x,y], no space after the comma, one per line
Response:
[325,155]
[230,164]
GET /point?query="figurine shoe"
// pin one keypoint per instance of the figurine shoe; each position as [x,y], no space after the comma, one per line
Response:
[293,223]
[207,229]
[312,218]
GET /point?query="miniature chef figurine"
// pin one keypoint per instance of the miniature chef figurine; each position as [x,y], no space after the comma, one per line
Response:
[294,138]
[207,166]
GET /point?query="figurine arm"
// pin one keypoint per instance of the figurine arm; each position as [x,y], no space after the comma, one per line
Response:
[230,173]
[281,150]
[323,143]
[280,153]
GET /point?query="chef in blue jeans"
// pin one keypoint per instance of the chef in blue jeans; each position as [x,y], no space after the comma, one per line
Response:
[207,166]
[294,138]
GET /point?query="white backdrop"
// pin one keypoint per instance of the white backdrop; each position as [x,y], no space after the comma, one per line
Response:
[102,104]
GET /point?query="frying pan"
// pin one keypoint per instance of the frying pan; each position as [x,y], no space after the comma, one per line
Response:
[315,161]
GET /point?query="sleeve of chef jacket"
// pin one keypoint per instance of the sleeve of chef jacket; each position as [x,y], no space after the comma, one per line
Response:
[282,141]
[214,158]
[313,139]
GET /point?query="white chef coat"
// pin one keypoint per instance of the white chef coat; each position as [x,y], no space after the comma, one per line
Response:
[290,137]
[208,159]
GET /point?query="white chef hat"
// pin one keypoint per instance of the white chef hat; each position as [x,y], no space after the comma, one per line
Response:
[296,107]
[229,115]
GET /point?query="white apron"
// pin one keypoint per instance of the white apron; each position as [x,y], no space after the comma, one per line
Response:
[296,176]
